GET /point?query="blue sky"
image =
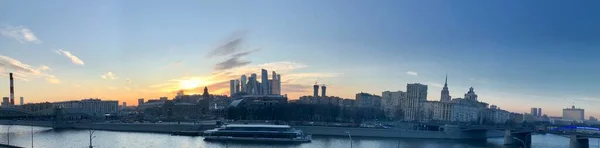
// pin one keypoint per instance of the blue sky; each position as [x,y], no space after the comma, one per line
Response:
[517,54]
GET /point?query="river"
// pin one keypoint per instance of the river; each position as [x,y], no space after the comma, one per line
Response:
[49,138]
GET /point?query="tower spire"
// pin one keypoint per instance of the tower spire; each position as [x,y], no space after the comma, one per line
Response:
[446,82]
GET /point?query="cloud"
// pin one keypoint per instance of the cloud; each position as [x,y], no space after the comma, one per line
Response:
[69,55]
[20,33]
[109,75]
[234,61]
[412,73]
[111,88]
[128,80]
[231,46]
[24,71]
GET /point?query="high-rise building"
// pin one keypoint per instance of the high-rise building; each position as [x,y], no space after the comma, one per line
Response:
[140,101]
[323,91]
[264,79]
[445,92]
[231,87]
[124,104]
[275,86]
[237,86]
[279,84]
[243,80]
[576,114]
[539,112]
[21,103]
[534,112]
[316,90]
[416,94]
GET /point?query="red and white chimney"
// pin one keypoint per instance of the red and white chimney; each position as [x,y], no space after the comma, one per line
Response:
[12,90]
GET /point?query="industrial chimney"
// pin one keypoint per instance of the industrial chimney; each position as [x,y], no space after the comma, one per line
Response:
[12,90]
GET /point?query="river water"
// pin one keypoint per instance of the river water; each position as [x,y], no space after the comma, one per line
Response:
[49,138]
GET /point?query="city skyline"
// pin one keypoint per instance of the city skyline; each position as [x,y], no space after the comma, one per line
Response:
[122,51]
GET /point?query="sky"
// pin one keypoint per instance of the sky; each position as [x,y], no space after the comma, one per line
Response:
[516,54]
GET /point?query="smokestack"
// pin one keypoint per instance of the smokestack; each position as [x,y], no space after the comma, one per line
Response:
[323,91]
[12,90]
[316,91]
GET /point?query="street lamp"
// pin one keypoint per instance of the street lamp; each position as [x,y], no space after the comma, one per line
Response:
[349,136]
[524,146]
[8,135]
[91,134]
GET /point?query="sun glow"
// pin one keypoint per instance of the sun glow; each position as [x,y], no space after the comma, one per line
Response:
[189,84]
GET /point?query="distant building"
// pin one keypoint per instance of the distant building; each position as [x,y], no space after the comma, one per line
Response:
[412,106]
[575,114]
[445,97]
[534,112]
[592,118]
[390,102]
[243,80]
[315,90]
[91,106]
[35,107]
[163,98]
[5,101]
[539,112]
[124,104]
[140,101]
[231,87]
[471,95]
[496,115]
[323,91]
[365,100]
[264,78]
[21,101]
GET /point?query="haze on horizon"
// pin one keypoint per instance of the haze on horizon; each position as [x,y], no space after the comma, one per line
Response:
[517,54]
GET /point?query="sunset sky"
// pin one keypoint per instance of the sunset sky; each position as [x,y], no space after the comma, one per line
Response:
[516,55]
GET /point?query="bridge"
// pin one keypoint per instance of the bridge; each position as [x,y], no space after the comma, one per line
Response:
[521,136]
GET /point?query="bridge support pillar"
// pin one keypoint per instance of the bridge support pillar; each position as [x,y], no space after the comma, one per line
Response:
[579,142]
[521,139]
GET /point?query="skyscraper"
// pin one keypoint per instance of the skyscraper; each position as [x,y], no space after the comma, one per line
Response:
[264,79]
[316,90]
[278,84]
[252,84]
[237,86]
[231,87]
[243,79]
[539,112]
[445,92]
[21,103]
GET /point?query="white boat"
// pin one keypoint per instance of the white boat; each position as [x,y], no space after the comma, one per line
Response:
[256,133]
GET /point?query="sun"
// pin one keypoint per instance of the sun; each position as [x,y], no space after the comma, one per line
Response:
[189,84]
